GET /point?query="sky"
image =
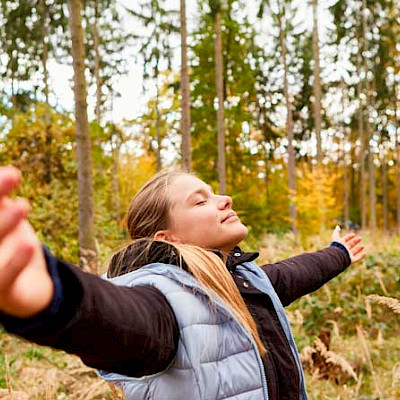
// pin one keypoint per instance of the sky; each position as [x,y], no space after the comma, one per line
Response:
[131,101]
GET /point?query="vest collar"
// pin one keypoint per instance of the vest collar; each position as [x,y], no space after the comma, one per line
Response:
[141,253]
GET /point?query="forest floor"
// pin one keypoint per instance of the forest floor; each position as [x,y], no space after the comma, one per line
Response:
[349,342]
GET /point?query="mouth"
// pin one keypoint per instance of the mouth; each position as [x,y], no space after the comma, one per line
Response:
[230,216]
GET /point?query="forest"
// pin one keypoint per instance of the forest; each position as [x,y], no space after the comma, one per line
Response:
[291,108]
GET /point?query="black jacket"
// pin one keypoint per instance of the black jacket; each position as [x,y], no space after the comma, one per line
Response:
[139,326]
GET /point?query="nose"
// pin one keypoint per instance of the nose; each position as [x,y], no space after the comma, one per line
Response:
[224,202]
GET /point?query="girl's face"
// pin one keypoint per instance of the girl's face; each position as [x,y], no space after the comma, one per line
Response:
[202,218]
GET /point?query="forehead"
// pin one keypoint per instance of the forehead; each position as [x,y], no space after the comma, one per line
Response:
[183,186]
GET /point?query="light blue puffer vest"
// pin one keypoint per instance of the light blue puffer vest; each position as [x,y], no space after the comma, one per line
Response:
[216,358]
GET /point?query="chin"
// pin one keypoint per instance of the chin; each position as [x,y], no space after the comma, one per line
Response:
[243,229]
[240,234]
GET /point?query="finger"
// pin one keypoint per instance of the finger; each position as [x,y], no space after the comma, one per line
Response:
[359,256]
[10,178]
[357,249]
[11,214]
[336,233]
[353,242]
[348,237]
[16,251]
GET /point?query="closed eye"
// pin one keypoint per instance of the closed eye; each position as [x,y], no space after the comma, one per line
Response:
[199,203]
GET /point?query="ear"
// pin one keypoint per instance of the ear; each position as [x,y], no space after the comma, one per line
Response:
[165,235]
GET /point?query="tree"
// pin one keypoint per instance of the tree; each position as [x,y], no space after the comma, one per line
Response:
[278,11]
[317,82]
[216,10]
[185,94]
[368,133]
[87,244]
[289,126]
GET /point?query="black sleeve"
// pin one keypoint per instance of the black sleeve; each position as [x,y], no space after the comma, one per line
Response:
[303,274]
[128,330]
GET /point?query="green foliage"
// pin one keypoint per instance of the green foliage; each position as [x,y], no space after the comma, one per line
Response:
[41,143]
[34,353]
[342,302]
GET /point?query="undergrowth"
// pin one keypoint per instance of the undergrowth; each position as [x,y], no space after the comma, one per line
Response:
[350,311]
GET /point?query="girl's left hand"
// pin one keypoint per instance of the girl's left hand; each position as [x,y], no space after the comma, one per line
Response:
[352,243]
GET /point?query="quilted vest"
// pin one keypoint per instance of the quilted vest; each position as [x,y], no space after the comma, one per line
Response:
[216,357]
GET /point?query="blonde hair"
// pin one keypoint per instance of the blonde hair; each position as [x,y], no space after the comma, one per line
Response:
[149,212]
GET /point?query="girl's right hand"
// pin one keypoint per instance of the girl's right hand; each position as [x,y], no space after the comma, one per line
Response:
[26,287]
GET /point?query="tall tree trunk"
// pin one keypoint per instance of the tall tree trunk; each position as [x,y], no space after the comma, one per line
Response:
[117,143]
[345,174]
[185,94]
[346,187]
[363,200]
[158,128]
[354,184]
[289,128]
[47,117]
[219,79]
[115,186]
[384,187]
[397,154]
[267,179]
[96,39]
[317,82]
[13,94]
[87,243]
[368,131]
[45,38]
[96,46]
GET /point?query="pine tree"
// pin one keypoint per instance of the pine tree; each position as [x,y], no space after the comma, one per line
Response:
[87,245]
[185,93]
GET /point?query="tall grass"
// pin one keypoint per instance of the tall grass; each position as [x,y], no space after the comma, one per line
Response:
[359,309]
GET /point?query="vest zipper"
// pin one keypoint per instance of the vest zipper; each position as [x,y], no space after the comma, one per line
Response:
[261,366]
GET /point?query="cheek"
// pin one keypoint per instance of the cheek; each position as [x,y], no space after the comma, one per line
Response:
[196,226]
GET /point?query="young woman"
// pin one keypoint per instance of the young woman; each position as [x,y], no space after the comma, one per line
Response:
[183,312]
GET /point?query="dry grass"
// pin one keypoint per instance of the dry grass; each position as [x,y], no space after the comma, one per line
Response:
[39,373]
[370,345]
[389,302]
[322,363]
[368,355]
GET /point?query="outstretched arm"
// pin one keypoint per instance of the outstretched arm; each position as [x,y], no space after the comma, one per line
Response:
[305,273]
[131,331]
